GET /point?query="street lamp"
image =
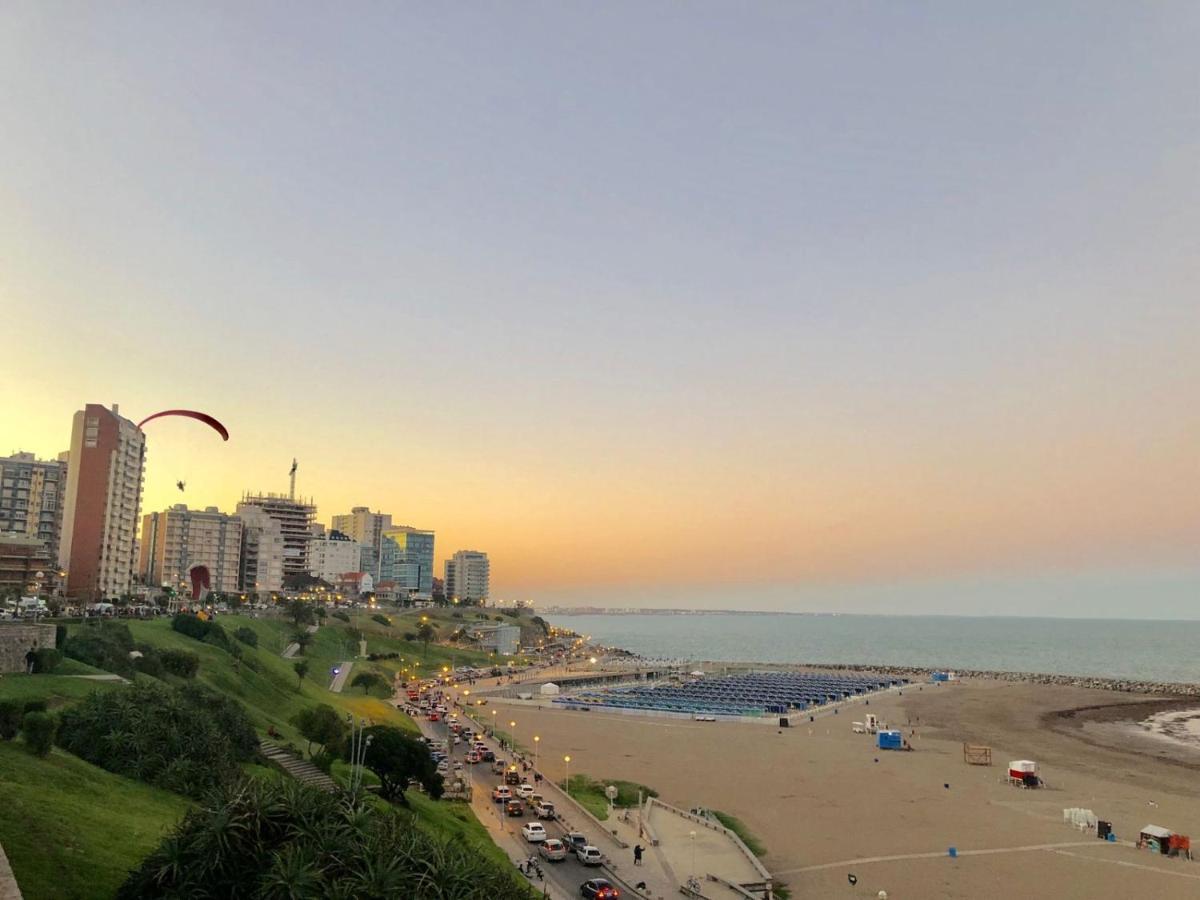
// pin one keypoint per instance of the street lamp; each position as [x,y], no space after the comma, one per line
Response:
[692,835]
[536,741]
[567,760]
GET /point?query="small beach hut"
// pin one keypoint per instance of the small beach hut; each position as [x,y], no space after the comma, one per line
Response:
[891,740]
[549,689]
[1155,838]
[1025,772]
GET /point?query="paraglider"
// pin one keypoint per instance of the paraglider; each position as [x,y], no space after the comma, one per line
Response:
[191,414]
[181,485]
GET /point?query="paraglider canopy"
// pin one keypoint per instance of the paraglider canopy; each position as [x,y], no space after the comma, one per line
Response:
[191,414]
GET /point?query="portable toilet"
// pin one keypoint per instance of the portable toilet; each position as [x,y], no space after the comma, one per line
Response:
[939,676]
[891,740]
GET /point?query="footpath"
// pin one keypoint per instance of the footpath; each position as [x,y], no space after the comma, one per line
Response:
[8,882]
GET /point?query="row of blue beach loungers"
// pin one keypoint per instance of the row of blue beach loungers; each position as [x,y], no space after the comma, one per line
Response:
[738,695]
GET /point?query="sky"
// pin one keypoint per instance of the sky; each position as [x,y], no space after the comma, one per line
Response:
[843,306]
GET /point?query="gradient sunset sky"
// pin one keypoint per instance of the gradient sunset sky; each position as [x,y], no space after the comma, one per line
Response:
[842,306]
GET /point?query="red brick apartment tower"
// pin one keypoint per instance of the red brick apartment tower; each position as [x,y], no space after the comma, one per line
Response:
[104,492]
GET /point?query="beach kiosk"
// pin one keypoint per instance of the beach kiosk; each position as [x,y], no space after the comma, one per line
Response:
[891,740]
[1024,772]
[549,689]
[1155,838]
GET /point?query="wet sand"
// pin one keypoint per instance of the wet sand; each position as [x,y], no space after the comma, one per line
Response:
[819,800]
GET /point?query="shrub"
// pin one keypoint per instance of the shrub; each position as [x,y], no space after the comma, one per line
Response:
[60,635]
[267,839]
[456,615]
[46,660]
[201,630]
[410,636]
[185,739]
[105,646]
[11,713]
[247,636]
[382,620]
[217,637]
[338,614]
[149,663]
[180,662]
[38,730]
[35,706]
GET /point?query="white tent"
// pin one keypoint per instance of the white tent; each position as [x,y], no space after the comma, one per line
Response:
[549,689]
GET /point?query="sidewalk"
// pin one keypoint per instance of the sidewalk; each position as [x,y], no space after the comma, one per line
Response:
[339,680]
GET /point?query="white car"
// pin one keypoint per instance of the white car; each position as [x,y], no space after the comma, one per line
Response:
[553,850]
[501,794]
[589,855]
[534,832]
[524,791]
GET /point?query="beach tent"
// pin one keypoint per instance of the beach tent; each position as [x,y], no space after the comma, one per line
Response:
[549,689]
[1018,769]
[891,740]
[1156,838]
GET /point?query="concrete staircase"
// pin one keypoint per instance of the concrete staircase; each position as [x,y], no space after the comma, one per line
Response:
[300,769]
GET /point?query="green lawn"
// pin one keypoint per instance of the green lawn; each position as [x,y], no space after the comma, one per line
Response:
[56,690]
[590,793]
[72,830]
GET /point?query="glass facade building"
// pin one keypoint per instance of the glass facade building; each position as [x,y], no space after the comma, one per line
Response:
[406,557]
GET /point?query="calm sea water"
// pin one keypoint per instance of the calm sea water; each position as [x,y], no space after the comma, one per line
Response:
[1156,651]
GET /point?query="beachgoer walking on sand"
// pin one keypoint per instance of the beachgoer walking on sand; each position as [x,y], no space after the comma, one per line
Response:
[637,854]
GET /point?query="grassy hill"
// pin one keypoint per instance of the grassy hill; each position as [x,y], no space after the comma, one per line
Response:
[72,831]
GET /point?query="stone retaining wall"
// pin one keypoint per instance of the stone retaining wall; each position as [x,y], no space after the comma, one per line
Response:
[16,639]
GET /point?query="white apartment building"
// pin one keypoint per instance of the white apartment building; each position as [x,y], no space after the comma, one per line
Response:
[105,473]
[468,577]
[177,540]
[332,554]
[295,518]
[261,567]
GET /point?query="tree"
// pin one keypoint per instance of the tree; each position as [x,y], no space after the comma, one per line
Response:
[426,633]
[263,840]
[396,759]
[300,612]
[301,669]
[320,725]
[367,681]
[303,638]
[38,729]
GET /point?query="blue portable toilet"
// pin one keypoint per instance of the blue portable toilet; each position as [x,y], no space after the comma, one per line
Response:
[940,676]
[890,740]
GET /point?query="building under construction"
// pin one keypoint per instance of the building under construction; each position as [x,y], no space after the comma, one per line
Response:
[295,518]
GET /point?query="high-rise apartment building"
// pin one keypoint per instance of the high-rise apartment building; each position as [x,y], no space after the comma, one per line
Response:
[105,472]
[332,554]
[468,577]
[32,491]
[295,518]
[261,566]
[176,541]
[366,528]
[406,557]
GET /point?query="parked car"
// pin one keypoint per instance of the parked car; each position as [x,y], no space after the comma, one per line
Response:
[553,850]
[534,832]
[501,794]
[599,889]
[544,810]
[589,855]
[524,791]
[516,808]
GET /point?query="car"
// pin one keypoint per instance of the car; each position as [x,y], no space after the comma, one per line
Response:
[472,757]
[501,794]
[512,776]
[599,889]
[553,850]
[575,840]
[534,832]
[589,855]
[457,740]
[488,755]
[498,766]
[525,791]
[434,717]
[516,808]
[544,810]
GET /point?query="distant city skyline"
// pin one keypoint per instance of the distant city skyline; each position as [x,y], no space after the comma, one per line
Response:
[876,308]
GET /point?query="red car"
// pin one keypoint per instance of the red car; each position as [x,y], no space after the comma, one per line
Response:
[434,717]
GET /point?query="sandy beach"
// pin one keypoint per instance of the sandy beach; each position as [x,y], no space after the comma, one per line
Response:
[826,803]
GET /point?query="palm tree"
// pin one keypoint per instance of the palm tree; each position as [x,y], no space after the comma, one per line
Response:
[425,634]
[301,669]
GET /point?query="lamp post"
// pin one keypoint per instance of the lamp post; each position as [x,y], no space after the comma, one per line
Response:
[567,783]
[692,836]
[512,735]
[536,740]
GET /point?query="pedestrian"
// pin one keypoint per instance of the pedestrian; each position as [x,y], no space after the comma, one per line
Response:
[637,854]
[30,658]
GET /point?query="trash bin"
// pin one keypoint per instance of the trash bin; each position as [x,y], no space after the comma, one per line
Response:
[1103,830]
[783,722]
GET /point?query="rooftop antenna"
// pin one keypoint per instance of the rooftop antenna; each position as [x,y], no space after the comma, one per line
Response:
[292,489]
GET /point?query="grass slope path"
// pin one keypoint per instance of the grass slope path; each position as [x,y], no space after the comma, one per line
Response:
[8,883]
[299,769]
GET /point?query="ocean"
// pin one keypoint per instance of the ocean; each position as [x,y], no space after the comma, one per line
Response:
[1142,650]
